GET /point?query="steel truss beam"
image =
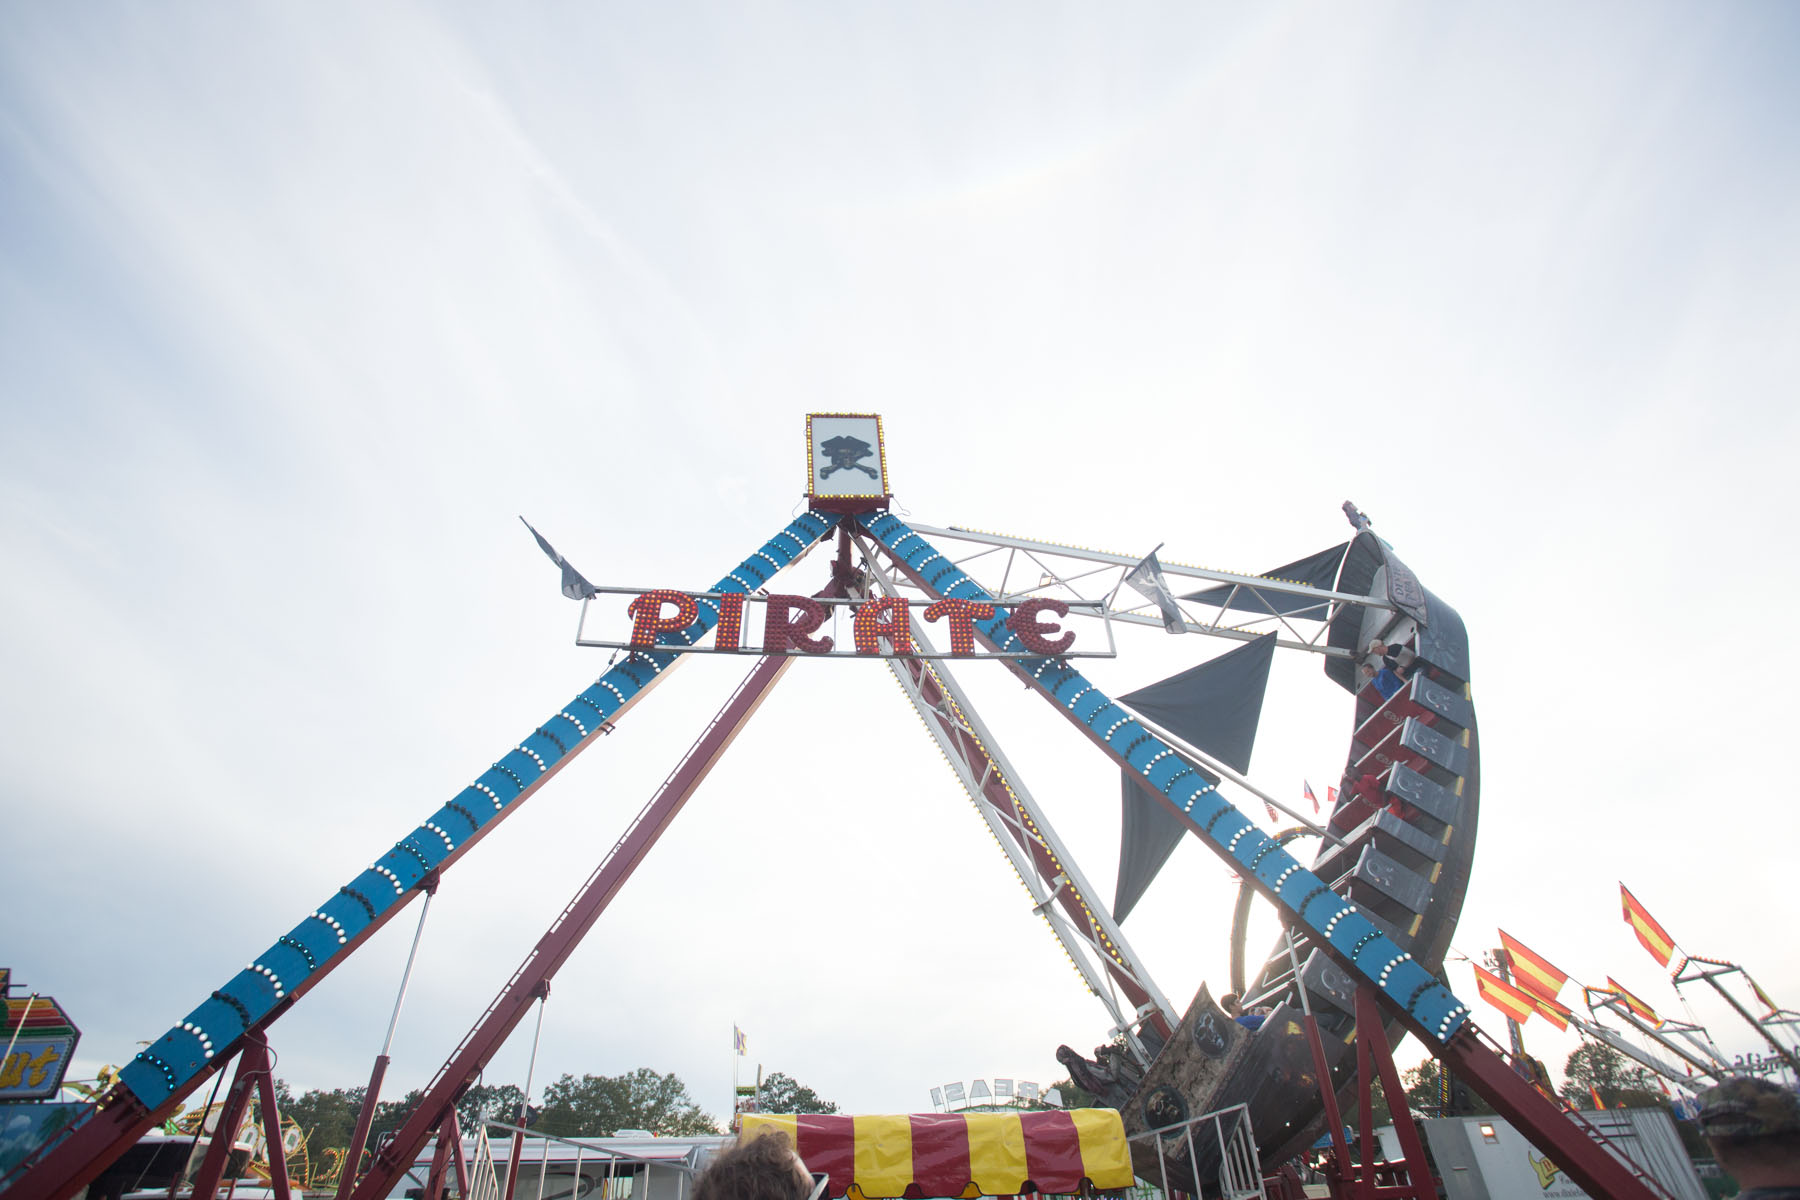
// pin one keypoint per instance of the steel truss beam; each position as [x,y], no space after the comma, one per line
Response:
[1011,569]
[1712,977]
[1602,1034]
[1089,935]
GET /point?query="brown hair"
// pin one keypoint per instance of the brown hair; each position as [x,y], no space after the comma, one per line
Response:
[763,1168]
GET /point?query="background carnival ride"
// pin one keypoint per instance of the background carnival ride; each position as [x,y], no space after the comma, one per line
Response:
[1369,923]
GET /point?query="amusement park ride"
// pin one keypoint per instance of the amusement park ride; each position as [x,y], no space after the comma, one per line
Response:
[1366,925]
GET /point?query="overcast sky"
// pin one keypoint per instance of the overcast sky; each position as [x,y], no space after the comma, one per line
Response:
[302,305]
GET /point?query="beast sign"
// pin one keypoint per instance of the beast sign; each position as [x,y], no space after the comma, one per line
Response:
[880,627]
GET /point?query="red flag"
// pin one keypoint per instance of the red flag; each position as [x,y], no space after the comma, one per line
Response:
[1273,816]
[1503,995]
[1310,796]
[1650,935]
[1595,1093]
[1532,971]
[1331,797]
[1552,1012]
[1632,1002]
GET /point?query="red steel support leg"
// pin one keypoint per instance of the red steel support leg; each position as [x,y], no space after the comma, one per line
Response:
[1372,1041]
[1340,1151]
[255,1058]
[364,1118]
[271,1123]
[449,1148]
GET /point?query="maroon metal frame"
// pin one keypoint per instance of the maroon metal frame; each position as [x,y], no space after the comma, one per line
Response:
[1364,1178]
[255,1071]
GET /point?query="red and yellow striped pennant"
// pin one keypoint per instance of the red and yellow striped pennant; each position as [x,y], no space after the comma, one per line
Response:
[1532,971]
[1504,996]
[1650,935]
[1632,1002]
[1552,1012]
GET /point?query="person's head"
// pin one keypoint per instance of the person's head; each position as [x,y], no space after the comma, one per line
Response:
[1233,1006]
[1377,646]
[1753,1127]
[762,1168]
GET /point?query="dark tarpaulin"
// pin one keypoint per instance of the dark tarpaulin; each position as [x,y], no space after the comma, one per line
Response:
[1215,706]
[1316,570]
[1149,834]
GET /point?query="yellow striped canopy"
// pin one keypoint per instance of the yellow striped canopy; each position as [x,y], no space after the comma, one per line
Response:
[957,1154]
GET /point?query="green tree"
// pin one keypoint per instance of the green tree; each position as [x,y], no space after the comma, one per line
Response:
[1424,1092]
[1073,1096]
[1596,1067]
[598,1105]
[483,1103]
[784,1094]
[328,1118]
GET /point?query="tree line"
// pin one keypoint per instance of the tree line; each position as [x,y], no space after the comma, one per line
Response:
[573,1106]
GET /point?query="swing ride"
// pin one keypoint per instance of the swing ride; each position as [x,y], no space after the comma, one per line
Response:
[1366,924]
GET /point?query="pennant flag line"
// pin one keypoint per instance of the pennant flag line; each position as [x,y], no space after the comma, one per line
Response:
[1632,1002]
[1532,971]
[1650,935]
[574,586]
[1310,796]
[1146,579]
[1553,1012]
[1504,996]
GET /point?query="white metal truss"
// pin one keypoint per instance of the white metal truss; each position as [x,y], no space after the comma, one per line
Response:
[1706,1061]
[1060,892]
[1018,568]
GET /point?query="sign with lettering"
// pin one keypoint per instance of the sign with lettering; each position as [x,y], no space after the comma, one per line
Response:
[42,1039]
[878,627]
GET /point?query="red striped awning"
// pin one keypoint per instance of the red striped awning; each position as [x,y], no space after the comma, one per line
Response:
[957,1154]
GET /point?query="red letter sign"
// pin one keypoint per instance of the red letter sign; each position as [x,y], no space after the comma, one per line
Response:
[782,630]
[1035,632]
[648,621]
[883,617]
[963,614]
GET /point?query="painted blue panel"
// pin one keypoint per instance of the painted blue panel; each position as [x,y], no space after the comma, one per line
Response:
[351,917]
[545,747]
[289,965]
[254,991]
[221,1022]
[459,819]
[406,866]
[563,728]
[317,937]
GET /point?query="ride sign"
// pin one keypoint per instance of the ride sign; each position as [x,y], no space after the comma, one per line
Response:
[878,627]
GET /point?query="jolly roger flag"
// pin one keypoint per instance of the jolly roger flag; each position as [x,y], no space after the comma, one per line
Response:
[1146,579]
[574,586]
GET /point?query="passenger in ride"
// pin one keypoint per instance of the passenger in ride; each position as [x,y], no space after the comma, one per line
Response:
[1753,1127]
[1388,667]
[762,1168]
[1234,1008]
